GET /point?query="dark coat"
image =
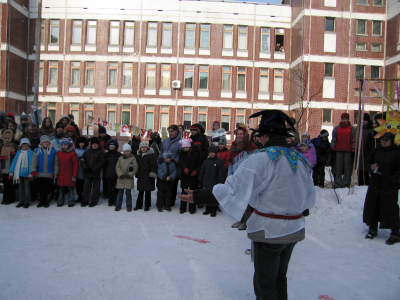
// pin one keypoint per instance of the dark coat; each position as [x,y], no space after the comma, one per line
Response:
[111,158]
[165,170]
[323,149]
[367,144]
[384,185]
[134,145]
[192,162]
[103,141]
[147,164]
[200,144]
[77,131]
[212,172]
[155,146]
[94,159]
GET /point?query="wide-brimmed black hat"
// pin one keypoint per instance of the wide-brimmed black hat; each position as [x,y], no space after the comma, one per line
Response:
[273,122]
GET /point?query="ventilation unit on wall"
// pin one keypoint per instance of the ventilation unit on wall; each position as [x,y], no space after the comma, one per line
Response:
[176,84]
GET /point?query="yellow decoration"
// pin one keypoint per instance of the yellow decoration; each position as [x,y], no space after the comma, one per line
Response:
[391,124]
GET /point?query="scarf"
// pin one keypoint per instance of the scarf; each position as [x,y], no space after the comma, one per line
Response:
[21,165]
[6,150]
[238,147]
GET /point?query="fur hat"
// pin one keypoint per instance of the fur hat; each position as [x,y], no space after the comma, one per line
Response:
[200,127]
[345,116]
[213,149]
[24,117]
[144,144]
[81,139]
[274,122]
[65,141]
[305,142]
[59,125]
[187,143]
[126,147]
[114,143]
[24,141]
[167,154]
[44,138]
[102,129]
[324,133]
[94,140]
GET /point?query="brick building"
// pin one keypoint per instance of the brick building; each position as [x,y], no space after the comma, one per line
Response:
[119,61]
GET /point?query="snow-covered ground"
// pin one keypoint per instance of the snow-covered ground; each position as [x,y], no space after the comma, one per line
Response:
[97,253]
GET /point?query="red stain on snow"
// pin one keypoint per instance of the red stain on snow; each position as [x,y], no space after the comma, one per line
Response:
[193,239]
[325,297]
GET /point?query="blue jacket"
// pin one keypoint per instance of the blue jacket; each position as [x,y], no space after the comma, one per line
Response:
[173,146]
[79,152]
[46,165]
[14,162]
[212,172]
[163,174]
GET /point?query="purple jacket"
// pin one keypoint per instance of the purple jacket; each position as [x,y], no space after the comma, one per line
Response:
[310,155]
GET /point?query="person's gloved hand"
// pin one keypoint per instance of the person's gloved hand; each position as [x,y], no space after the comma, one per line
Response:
[10,176]
[34,173]
[89,170]
[30,177]
[194,173]
[153,175]
[186,170]
[306,213]
[74,179]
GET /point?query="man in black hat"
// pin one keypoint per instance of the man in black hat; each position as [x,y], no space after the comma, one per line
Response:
[323,149]
[277,223]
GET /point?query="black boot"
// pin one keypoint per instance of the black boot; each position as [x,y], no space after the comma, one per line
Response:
[371,234]
[26,205]
[84,204]
[40,204]
[20,205]
[394,239]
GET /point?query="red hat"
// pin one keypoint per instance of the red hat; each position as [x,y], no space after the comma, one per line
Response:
[216,122]
[194,127]
[345,116]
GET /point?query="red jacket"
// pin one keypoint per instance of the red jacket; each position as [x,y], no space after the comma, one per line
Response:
[344,137]
[68,167]
[223,155]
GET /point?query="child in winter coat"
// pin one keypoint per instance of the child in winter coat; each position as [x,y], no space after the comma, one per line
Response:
[44,167]
[166,176]
[306,150]
[80,147]
[109,174]
[126,168]
[68,171]
[20,172]
[8,149]
[147,175]
[189,162]
[223,153]
[212,172]
[72,133]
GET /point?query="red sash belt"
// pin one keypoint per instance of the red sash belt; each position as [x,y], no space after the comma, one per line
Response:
[281,217]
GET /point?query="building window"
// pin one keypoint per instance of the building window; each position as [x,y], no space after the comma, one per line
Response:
[91,32]
[225,119]
[149,116]
[362,2]
[375,72]
[203,116]
[327,116]
[88,112]
[129,33]
[239,117]
[167,35]
[226,78]
[355,117]
[52,111]
[205,36]
[112,73]
[330,24]
[77,32]
[189,76]
[265,40]
[241,79]
[53,72]
[111,111]
[242,38]
[151,76]
[378,2]
[89,80]
[359,71]
[42,32]
[164,121]
[361,46]
[126,114]
[278,81]
[357,92]
[279,39]
[328,70]
[228,34]
[190,35]
[152,34]
[165,75]
[361,26]
[127,75]
[376,28]
[75,73]
[114,32]
[54,31]
[264,80]
[41,73]
[203,82]
[187,117]
[75,112]
[374,93]
[376,47]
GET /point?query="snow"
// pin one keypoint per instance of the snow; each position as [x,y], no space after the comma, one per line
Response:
[97,253]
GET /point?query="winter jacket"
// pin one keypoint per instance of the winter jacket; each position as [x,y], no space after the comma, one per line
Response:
[200,144]
[134,145]
[192,162]
[173,146]
[14,162]
[165,170]
[22,128]
[103,141]
[68,166]
[44,163]
[384,185]
[232,166]
[79,153]
[111,158]
[212,172]
[33,139]
[122,168]
[367,144]
[224,155]
[6,161]
[93,159]
[344,137]
[75,136]
[310,155]
[55,140]
[77,131]
[147,164]
[155,146]
[323,150]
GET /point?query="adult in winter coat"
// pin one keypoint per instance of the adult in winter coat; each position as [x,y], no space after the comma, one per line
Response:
[323,150]
[23,126]
[71,133]
[109,173]
[55,140]
[216,131]
[366,146]
[47,127]
[8,149]
[103,137]
[92,161]
[11,125]
[80,147]
[382,195]
[32,133]
[291,140]
[343,143]
[65,122]
[155,143]
[72,119]
[134,143]
[200,142]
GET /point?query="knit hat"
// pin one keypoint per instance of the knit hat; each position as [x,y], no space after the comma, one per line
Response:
[113,142]
[273,122]
[305,142]
[222,140]
[187,143]
[144,144]
[24,117]
[200,127]
[94,140]
[216,123]
[59,125]
[194,127]
[65,141]
[212,149]
[126,147]
[324,133]
[24,141]
[167,154]
[305,134]
[345,116]
[44,138]
[10,115]
[388,135]
[102,129]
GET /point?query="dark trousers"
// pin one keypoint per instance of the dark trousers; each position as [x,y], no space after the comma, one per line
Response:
[110,183]
[363,177]
[34,191]
[147,201]
[105,187]
[270,267]
[343,169]
[192,206]
[212,209]
[164,197]
[9,191]
[391,211]
[45,189]
[319,175]
[79,188]
[91,190]
[174,191]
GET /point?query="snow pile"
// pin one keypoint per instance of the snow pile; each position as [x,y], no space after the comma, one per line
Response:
[97,253]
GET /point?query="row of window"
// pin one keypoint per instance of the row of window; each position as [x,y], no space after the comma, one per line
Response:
[361,26]
[191,31]
[360,71]
[367,2]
